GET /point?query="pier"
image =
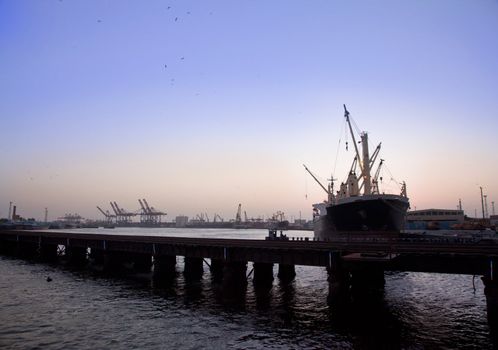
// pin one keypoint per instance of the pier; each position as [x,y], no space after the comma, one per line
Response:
[354,263]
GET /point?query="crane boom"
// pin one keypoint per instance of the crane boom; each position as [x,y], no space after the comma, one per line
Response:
[376,176]
[142,206]
[103,212]
[118,208]
[314,177]
[374,155]
[346,115]
[114,209]
[147,206]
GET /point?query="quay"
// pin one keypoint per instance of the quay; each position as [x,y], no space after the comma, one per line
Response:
[353,263]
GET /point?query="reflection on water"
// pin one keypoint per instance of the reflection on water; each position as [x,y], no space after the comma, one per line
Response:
[80,309]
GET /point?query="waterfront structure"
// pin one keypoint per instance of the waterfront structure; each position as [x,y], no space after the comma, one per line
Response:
[355,264]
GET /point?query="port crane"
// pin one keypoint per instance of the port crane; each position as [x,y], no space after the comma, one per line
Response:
[149,215]
[217,217]
[108,216]
[122,216]
[238,216]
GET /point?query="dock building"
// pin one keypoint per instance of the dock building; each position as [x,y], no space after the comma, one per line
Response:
[433,219]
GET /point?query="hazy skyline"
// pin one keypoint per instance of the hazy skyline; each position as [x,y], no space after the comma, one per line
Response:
[201,105]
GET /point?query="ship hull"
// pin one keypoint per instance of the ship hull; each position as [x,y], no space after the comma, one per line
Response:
[382,213]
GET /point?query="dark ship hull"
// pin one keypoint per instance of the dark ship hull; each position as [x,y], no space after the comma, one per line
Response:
[372,213]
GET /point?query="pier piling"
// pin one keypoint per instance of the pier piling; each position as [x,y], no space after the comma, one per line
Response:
[48,252]
[263,274]
[76,256]
[164,267]
[194,268]
[141,262]
[216,269]
[234,274]
[339,282]
[286,272]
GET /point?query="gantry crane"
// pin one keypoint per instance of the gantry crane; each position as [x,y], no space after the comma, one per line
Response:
[238,217]
[108,216]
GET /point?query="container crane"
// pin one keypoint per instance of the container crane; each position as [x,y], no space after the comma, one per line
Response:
[107,215]
[147,206]
[144,215]
[153,216]
[116,211]
[238,217]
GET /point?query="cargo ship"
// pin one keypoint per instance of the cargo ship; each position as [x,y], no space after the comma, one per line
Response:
[359,206]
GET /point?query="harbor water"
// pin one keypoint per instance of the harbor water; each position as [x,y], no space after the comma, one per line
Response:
[82,310]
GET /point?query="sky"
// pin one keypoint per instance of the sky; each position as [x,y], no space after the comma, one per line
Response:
[198,106]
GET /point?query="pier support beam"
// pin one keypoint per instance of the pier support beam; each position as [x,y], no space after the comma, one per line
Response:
[76,256]
[367,282]
[491,293]
[194,268]
[286,272]
[234,275]
[9,247]
[141,262]
[263,274]
[339,281]
[217,269]
[114,262]
[164,268]
[48,252]
[28,250]
[96,256]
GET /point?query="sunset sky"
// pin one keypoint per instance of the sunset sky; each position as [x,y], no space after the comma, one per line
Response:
[201,105]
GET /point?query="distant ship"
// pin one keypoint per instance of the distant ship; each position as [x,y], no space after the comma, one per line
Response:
[350,209]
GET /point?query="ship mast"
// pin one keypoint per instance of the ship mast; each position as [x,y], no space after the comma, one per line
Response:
[364,162]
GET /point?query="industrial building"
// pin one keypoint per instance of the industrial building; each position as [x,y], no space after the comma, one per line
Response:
[433,219]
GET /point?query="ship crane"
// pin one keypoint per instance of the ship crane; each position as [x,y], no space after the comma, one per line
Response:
[372,161]
[329,190]
[375,181]
[364,163]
